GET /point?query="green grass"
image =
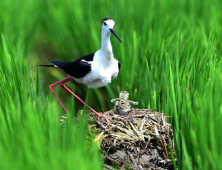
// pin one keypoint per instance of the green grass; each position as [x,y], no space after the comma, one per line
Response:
[171,62]
[31,135]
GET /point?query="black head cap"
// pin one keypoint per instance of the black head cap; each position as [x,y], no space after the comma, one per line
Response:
[106,19]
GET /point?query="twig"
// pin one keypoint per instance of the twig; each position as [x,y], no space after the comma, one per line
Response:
[64,117]
[133,161]
[163,119]
[153,119]
[129,133]
[118,117]
[136,131]
[164,145]
[96,139]
[120,123]
[104,127]
[156,131]
[137,115]
[103,116]
[142,124]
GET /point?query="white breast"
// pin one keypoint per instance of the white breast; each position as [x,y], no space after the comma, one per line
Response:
[103,70]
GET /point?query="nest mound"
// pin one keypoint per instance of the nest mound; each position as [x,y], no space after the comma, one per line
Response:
[140,140]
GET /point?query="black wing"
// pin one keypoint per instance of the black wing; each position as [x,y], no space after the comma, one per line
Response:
[119,65]
[78,68]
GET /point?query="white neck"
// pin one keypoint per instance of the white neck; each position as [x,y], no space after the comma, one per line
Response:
[106,46]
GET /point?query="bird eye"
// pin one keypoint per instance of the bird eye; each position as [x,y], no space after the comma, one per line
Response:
[105,23]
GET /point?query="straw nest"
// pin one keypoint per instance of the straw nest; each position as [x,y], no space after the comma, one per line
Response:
[139,140]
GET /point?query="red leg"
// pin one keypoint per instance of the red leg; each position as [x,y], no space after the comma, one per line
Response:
[62,83]
[51,89]
[63,86]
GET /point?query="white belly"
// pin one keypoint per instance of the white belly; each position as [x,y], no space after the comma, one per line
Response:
[100,75]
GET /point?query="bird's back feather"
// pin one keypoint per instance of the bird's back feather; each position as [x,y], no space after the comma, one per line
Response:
[78,68]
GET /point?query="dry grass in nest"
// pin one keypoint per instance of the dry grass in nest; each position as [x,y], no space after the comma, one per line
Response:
[140,140]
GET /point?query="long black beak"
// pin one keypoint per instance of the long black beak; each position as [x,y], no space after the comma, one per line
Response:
[114,33]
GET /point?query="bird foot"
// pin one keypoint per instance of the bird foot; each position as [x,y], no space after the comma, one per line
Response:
[103,116]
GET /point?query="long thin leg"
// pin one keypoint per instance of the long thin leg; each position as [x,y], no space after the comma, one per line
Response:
[62,83]
[51,89]
[63,86]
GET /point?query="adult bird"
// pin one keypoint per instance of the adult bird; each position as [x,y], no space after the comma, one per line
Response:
[94,70]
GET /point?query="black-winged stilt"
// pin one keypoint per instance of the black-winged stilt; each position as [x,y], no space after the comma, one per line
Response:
[95,70]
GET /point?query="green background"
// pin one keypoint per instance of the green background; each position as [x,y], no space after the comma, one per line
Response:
[171,62]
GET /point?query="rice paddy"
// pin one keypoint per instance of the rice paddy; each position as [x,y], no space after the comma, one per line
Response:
[171,62]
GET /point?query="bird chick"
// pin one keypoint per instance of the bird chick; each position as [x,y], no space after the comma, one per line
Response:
[122,105]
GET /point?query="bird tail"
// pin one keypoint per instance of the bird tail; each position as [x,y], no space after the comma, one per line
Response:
[48,65]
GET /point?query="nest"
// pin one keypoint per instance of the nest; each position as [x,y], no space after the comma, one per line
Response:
[139,140]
